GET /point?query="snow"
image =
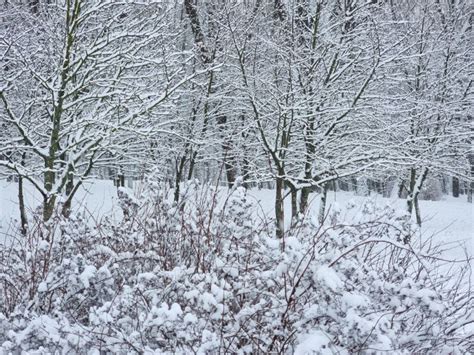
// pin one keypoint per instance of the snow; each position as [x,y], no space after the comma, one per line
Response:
[353,300]
[329,278]
[88,273]
[43,287]
[190,318]
[315,342]
[450,218]
[96,197]
[47,327]
[450,221]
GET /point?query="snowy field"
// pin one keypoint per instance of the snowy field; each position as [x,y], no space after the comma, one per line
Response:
[449,221]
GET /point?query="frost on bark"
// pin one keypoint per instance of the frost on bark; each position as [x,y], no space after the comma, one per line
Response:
[414,189]
[322,206]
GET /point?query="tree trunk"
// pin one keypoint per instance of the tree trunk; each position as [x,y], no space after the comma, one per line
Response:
[179,178]
[443,185]
[229,160]
[21,203]
[379,187]
[229,171]
[455,186]
[279,208]
[322,206]
[69,188]
[294,206]
[411,197]
[415,188]
[385,190]
[417,211]
[49,180]
[370,186]
[192,13]
[48,207]
[192,164]
[401,186]
[362,188]
[246,173]
[305,191]
[354,184]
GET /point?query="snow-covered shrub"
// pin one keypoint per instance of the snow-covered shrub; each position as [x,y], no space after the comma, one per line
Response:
[209,277]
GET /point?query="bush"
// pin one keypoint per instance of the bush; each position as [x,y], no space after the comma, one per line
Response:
[207,277]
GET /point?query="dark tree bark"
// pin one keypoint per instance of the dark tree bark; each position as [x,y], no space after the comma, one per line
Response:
[455,186]
[21,201]
[410,197]
[120,179]
[417,211]
[444,188]
[401,187]
[305,191]
[378,187]
[192,164]
[208,57]
[191,11]
[179,177]
[279,208]
[69,190]
[414,190]
[229,163]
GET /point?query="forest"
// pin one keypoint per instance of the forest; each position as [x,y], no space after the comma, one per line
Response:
[236,177]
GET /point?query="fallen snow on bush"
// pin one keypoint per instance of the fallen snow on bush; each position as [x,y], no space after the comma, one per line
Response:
[208,277]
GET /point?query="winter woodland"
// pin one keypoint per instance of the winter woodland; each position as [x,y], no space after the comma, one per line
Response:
[236,176]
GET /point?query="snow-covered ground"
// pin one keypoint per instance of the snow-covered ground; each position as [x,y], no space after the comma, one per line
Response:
[449,221]
[98,197]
